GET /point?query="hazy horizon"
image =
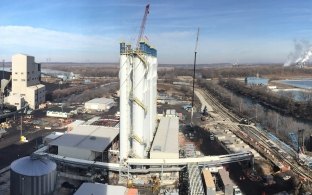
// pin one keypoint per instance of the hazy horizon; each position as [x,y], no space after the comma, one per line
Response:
[90,31]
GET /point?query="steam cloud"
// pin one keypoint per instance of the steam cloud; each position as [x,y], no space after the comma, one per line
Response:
[302,53]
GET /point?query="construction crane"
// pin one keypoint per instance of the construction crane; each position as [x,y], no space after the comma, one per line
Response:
[195,54]
[142,28]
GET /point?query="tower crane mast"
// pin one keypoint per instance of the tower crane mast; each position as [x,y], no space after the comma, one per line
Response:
[195,54]
[142,28]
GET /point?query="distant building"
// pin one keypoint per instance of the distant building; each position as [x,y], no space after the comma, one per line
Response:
[26,82]
[99,104]
[256,81]
[60,112]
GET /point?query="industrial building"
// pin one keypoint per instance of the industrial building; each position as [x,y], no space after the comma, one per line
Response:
[99,104]
[228,185]
[86,148]
[5,78]
[209,184]
[26,82]
[165,143]
[256,81]
[87,142]
[60,112]
[138,96]
[104,189]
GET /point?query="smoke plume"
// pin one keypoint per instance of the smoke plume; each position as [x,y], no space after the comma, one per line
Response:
[302,53]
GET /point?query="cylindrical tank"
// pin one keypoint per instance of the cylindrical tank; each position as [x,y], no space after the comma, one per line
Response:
[124,105]
[30,176]
[138,106]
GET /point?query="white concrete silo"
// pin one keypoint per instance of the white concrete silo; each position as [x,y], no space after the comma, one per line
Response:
[139,108]
[125,87]
[153,96]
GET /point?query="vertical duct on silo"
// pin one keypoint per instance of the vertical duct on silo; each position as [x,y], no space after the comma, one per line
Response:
[147,96]
[139,107]
[124,102]
[154,65]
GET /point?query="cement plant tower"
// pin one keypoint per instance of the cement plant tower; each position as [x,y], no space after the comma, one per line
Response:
[138,95]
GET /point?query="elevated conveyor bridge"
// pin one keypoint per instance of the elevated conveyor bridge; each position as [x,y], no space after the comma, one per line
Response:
[155,165]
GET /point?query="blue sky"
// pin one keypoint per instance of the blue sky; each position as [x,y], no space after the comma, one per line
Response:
[242,31]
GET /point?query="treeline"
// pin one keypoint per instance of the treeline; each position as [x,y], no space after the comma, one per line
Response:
[93,93]
[283,104]
[273,72]
[269,119]
[61,93]
[91,71]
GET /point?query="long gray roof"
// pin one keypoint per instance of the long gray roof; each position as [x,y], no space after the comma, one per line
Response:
[89,137]
[166,139]
[99,188]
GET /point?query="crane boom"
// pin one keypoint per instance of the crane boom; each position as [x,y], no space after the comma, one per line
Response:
[142,28]
[195,53]
[196,40]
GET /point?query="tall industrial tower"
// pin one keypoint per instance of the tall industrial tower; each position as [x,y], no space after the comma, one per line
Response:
[138,95]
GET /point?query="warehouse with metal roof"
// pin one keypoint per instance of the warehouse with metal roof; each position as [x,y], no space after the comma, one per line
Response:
[87,142]
[165,143]
[99,104]
[103,189]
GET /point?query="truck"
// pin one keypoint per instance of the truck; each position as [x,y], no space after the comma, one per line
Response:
[204,114]
[236,190]
[245,121]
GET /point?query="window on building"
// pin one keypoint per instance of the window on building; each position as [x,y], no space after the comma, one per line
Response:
[22,72]
[14,79]
[23,80]
[16,104]
[16,73]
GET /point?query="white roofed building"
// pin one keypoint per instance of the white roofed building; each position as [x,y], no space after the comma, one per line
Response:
[104,189]
[87,142]
[99,104]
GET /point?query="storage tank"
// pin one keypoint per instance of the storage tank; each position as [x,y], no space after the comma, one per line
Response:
[32,176]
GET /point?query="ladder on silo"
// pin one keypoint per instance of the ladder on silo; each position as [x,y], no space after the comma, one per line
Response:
[140,103]
[138,139]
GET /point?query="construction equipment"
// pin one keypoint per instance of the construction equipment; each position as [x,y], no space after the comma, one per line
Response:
[294,139]
[195,54]
[204,114]
[142,28]
[301,141]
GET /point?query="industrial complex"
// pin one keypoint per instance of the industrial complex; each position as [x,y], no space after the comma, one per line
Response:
[145,138]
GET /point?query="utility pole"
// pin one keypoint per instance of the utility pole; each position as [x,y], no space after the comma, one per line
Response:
[276,123]
[195,54]
[256,112]
[240,105]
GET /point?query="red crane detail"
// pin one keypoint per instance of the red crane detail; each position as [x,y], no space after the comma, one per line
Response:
[142,28]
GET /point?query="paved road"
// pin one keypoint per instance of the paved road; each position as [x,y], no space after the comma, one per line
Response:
[198,93]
